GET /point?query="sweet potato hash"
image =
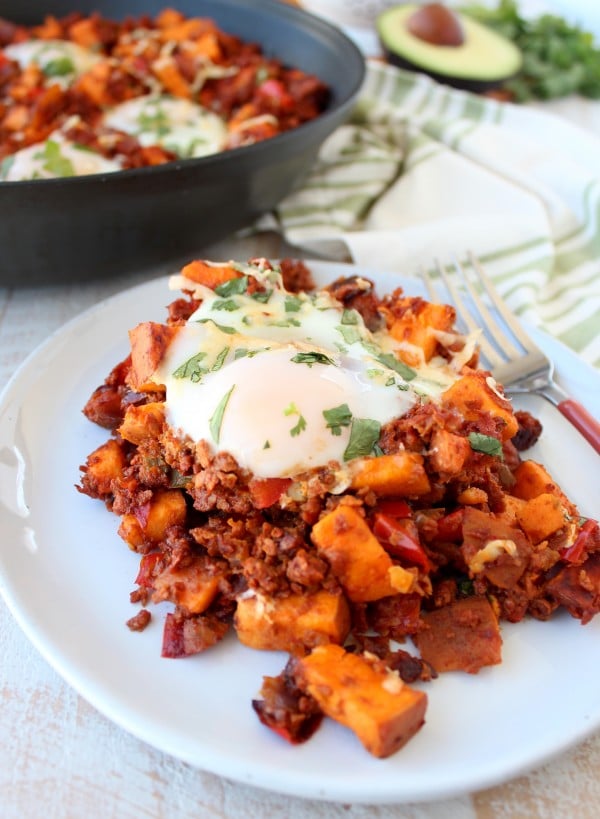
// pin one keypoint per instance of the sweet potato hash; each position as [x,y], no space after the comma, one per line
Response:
[85,94]
[328,473]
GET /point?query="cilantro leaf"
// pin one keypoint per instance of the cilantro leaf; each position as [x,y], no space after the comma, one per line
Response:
[262,296]
[338,417]
[350,333]
[300,426]
[54,162]
[223,328]
[292,304]
[192,368]
[232,287]
[311,358]
[393,363]
[220,360]
[59,67]
[216,420]
[349,317]
[225,304]
[486,444]
[364,434]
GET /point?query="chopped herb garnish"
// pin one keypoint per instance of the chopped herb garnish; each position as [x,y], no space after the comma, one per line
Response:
[192,368]
[350,333]
[338,417]
[364,434]
[179,481]
[54,162]
[216,420]
[6,165]
[220,360]
[232,287]
[155,121]
[223,328]
[244,352]
[267,445]
[301,425]
[312,358]
[291,322]
[393,363]
[486,444]
[262,296]
[465,587]
[59,67]
[225,304]
[349,317]
[292,304]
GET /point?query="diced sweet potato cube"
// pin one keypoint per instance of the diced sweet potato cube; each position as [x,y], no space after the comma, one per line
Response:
[472,496]
[142,422]
[415,322]
[103,465]
[85,33]
[172,78]
[358,560]
[149,342]
[168,17]
[448,452]
[472,395]
[131,532]
[401,474]
[193,586]
[210,275]
[292,623]
[532,480]
[383,712]
[541,516]
[463,636]
[167,508]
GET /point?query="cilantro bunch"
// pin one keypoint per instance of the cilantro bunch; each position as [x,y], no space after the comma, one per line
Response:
[558,58]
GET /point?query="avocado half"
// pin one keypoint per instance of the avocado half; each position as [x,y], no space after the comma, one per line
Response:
[484,60]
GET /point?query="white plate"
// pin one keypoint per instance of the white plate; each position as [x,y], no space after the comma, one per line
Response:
[66,576]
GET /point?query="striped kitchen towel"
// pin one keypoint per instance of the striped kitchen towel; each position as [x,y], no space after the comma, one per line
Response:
[422,171]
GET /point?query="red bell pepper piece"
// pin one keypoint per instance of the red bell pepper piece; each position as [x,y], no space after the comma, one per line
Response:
[275,92]
[173,644]
[395,508]
[397,537]
[576,551]
[147,568]
[266,492]
[450,526]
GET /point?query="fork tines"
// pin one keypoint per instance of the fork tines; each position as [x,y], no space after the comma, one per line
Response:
[468,288]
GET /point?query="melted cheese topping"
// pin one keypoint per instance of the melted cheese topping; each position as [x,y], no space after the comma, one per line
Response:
[178,125]
[492,550]
[60,60]
[283,382]
[55,157]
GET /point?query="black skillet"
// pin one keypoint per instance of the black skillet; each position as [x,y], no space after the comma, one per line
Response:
[77,229]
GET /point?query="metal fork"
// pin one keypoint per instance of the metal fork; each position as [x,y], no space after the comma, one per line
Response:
[508,352]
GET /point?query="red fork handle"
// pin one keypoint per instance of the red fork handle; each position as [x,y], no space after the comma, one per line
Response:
[582,420]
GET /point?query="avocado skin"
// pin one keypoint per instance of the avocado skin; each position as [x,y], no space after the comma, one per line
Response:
[468,79]
[462,83]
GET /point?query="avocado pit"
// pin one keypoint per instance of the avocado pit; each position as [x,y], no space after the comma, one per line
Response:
[435,23]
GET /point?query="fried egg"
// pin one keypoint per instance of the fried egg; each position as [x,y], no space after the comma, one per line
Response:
[283,382]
